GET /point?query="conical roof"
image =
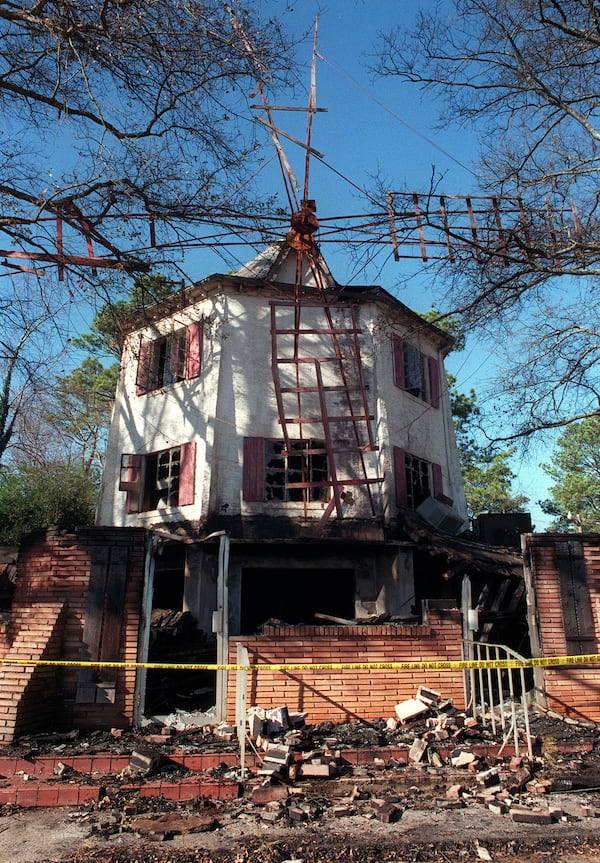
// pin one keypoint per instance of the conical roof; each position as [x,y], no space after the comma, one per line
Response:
[277,263]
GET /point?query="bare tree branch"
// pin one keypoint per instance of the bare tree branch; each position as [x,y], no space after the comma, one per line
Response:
[526,76]
[126,107]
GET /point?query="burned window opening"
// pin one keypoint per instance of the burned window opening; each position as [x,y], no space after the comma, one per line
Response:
[415,372]
[294,596]
[162,472]
[418,480]
[298,474]
[167,360]
[158,479]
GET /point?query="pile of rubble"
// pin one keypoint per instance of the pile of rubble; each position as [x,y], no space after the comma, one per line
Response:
[441,749]
[429,756]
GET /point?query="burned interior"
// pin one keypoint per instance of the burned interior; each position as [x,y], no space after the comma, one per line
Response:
[175,637]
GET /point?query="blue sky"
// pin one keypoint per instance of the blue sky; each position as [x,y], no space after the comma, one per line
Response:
[388,128]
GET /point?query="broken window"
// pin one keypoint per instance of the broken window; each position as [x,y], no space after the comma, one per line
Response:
[415,372]
[274,472]
[159,479]
[170,358]
[415,479]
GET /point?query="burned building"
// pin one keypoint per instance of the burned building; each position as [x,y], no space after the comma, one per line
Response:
[300,417]
[281,475]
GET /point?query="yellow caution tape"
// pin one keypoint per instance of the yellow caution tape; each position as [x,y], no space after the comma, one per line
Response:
[416,665]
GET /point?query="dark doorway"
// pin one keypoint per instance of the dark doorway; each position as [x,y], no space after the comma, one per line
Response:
[169,575]
[175,639]
[295,595]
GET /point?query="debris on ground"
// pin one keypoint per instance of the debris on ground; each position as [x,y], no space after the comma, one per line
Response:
[430,757]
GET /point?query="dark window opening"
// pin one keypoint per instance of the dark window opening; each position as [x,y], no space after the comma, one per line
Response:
[156,479]
[167,360]
[414,372]
[169,577]
[161,486]
[8,579]
[418,484]
[294,596]
[297,474]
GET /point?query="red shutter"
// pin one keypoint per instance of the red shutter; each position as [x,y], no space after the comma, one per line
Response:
[438,484]
[400,477]
[177,355]
[187,473]
[193,363]
[253,485]
[398,350]
[131,480]
[142,380]
[434,382]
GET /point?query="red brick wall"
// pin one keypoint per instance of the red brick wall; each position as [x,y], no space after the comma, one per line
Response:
[25,687]
[54,567]
[343,695]
[571,690]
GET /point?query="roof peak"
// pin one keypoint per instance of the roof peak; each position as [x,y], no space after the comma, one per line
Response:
[278,262]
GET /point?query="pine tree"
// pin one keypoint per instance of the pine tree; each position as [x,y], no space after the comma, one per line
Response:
[575,468]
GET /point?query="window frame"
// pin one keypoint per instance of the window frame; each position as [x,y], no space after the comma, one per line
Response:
[169,358]
[408,359]
[405,490]
[148,491]
[266,459]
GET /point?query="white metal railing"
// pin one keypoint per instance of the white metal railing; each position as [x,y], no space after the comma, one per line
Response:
[498,696]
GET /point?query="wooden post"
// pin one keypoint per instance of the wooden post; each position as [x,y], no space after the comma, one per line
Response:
[139,697]
[241,688]
[221,624]
[532,622]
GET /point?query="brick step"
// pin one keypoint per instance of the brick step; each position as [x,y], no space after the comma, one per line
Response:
[101,770]
[44,794]
[109,764]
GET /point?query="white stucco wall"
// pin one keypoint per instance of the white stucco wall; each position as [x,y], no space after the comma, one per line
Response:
[234,397]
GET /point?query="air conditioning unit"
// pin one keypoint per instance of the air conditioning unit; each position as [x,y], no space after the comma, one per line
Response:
[440,516]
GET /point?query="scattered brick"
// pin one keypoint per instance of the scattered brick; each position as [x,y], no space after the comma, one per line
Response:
[489,777]
[295,813]
[462,758]
[268,793]
[417,750]
[428,696]
[314,770]
[388,813]
[410,709]
[144,759]
[342,811]
[530,816]
[538,787]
